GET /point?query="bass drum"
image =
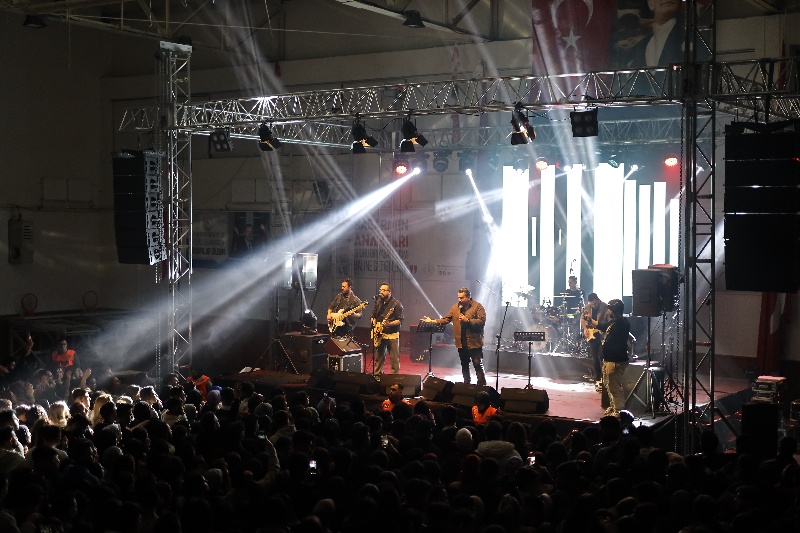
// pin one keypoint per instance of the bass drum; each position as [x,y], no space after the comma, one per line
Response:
[550,337]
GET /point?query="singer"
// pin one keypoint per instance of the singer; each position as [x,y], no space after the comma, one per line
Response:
[468,318]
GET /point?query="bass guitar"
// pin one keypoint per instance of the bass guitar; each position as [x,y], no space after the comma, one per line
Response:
[337,318]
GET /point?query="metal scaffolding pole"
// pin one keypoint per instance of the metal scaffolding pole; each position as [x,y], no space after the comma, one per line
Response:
[173,98]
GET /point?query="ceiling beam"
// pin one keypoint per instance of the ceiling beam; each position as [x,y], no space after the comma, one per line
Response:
[153,18]
[465,12]
[57,7]
[190,17]
[767,5]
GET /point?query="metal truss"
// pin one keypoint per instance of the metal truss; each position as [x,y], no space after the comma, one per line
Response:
[174,79]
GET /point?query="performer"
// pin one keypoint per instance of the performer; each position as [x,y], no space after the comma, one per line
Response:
[395,397]
[344,301]
[574,300]
[615,355]
[386,319]
[596,310]
[468,318]
[63,357]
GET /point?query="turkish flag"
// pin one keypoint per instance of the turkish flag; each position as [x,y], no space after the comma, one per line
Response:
[571,36]
[776,314]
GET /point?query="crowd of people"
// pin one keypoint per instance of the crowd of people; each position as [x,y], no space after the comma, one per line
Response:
[183,455]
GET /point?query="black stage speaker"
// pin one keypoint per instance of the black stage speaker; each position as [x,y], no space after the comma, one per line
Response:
[354,383]
[138,207]
[412,383]
[302,349]
[762,194]
[321,378]
[760,420]
[342,346]
[437,389]
[464,394]
[646,292]
[524,400]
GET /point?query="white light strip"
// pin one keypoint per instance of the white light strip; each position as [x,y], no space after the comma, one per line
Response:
[574,221]
[514,231]
[547,251]
[608,244]
[659,222]
[674,232]
[629,238]
[644,226]
[533,236]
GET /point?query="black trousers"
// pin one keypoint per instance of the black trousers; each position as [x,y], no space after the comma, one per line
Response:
[474,356]
[596,353]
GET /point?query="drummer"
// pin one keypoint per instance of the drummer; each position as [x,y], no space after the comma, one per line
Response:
[574,297]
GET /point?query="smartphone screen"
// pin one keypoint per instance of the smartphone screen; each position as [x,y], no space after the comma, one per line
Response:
[532,460]
[312,467]
[384,441]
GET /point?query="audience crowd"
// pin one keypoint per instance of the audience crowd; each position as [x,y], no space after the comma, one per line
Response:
[83,452]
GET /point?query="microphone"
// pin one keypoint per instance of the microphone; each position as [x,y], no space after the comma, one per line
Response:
[376,296]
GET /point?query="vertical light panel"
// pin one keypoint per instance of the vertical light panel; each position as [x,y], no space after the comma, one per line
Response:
[547,251]
[608,242]
[629,237]
[533,236]
[644,226]
[574,220]
[513,233]
[674,231]
[659,221]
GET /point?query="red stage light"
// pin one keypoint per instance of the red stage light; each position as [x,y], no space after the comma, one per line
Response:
[400,169]
[671,161]
[541,164]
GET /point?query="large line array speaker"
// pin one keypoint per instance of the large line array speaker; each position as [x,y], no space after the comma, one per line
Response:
[412,383]
[762,201]
[138,207]
[524,400]
[646,296]
[464,394]
[303,348]
[437,389]
[760,420]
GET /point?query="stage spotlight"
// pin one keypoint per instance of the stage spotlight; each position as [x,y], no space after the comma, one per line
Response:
[413,19]
[33,22]
[411,137]
[541,163]
[614,161]
[466,161]
[521,164]
[523,132]
[361,139]
[441,160]
[671,161]
[420,162]
[268,142]
[401,166]
[634,168]
[309,320]
[493,160]
[221,141]
[584,123]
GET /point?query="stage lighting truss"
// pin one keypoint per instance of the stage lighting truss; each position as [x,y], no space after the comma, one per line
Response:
[523,132]
[361,139]
[267,141]
[401,166]
[411,136]
[441,160]
[221,141]
[466,161]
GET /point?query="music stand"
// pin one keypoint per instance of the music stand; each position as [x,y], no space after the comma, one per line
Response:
[530,337]
[429,327]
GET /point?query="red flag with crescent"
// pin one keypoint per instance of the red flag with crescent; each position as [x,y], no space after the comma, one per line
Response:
[571,36]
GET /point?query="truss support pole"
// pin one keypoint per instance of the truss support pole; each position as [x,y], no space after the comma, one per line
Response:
[174,96]
[699,222]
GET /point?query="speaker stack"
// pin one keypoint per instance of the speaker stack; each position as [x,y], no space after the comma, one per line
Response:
[524,400]
[303,349]
[464,394]
[439,390]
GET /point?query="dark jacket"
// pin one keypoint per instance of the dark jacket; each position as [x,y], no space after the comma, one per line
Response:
[382,309]
[615,344]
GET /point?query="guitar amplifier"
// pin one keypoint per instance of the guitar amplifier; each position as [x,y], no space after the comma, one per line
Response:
[303,348]
[344,362]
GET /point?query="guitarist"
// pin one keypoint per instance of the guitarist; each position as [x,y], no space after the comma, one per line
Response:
[343,302]
[595,311]
[386,319]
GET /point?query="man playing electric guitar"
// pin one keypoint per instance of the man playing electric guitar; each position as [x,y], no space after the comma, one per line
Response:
[386,319]
[595,311]
[344,302]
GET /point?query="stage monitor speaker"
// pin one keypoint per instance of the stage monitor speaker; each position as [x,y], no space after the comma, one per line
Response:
[439,390]
[760,420]
[646,292]
[464,394]
[524,400]
[138,207]
[342,346]
[321,378]
[303,348]
[412,383]
[354,383]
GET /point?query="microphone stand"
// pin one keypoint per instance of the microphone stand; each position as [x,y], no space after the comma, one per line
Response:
[497,349]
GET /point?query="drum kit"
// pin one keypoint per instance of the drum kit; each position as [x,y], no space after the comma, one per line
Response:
[560,323]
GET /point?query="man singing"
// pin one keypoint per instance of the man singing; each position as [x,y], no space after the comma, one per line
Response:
[343,302]
[468,318]
[386,319]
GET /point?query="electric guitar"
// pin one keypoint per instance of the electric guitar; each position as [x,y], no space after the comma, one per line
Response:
[337,318]
[590,332]
[377,328]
